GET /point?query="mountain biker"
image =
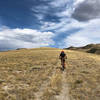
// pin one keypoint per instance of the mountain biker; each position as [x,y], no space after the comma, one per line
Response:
[63,57]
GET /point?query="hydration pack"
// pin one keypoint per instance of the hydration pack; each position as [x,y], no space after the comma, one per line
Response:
[62,55]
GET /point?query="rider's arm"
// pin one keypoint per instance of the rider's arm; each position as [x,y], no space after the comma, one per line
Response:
[60,56]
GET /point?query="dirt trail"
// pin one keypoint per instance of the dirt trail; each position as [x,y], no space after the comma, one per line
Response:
[43,87]
[64,95]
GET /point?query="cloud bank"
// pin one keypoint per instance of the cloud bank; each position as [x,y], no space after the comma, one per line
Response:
[24,38]
[89,34]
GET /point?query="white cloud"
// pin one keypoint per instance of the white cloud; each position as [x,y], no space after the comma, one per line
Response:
[40,11]
[73,24]
[76,2]
[89,34]
[59,3]
[64,25]
[24,38]
[66,13]
[52,25]
[65,20]
[39,16]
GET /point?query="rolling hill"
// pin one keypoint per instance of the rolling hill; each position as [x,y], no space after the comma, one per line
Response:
[91,48]
[35,74]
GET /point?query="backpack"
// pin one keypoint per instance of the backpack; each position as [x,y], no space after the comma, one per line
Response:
[62,55]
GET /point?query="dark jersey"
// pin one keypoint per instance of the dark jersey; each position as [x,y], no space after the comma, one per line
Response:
[62,55]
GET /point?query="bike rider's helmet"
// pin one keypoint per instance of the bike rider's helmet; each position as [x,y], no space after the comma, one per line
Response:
[62,51]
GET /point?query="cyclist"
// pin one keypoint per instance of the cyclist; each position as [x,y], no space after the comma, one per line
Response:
[63,57]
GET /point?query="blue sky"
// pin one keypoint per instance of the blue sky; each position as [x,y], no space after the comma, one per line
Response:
[48,23]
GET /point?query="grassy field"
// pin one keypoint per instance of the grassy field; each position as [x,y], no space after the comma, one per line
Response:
[35,74]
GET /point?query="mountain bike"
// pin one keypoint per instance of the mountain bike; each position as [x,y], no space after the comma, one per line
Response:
[63,63]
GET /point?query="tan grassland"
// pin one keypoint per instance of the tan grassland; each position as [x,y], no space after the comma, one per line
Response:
[35,74]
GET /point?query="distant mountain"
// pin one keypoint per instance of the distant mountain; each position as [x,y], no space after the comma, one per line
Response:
[2,49]
[7,49]
[90,48]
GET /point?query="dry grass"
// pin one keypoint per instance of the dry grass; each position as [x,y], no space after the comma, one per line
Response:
[83,76]
[34,74]
[22,72]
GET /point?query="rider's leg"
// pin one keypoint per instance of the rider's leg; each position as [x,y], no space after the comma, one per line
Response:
[64,63]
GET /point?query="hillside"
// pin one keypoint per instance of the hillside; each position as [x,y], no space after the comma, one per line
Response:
[34,74]
[91,48]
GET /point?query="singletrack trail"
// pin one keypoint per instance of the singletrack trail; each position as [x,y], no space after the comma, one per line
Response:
[53,86]
[43,87]
[64,95]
